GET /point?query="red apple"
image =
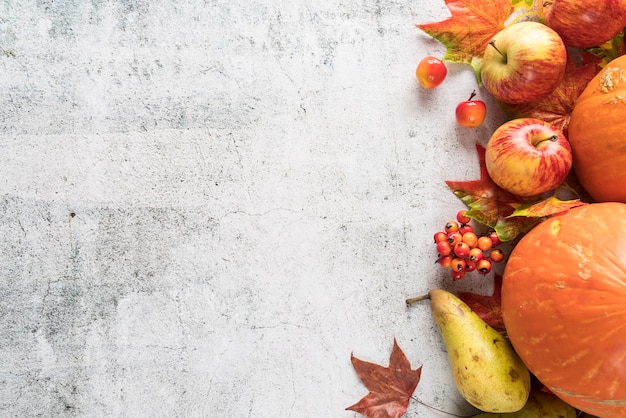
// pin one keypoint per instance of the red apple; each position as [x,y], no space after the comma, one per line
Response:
[471,113]
[583,23]
[523,63]
[528,157]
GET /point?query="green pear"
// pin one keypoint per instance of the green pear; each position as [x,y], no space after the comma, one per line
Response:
[539,405]
[486,369]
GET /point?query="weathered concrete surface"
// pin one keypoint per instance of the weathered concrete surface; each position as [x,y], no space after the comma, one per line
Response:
[206,207]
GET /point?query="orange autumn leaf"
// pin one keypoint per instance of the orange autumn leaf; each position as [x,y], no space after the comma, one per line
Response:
[390,387]
[468,31]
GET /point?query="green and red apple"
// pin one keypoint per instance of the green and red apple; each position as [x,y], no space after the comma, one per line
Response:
[523,63]
[528,157]
[584,23]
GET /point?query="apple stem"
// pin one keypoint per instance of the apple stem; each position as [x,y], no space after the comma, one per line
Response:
[493,44]
[547,3]
[552,138]
[472,95]
[415,299]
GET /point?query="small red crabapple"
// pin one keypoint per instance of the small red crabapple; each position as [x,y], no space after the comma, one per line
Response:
[471,113]
[431,72]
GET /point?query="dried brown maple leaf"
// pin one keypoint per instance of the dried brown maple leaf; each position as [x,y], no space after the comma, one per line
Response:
[471,26]
[488,308]
[390,387]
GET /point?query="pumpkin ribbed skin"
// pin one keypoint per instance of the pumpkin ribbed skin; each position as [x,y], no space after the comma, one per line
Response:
[597,134]
[564,306]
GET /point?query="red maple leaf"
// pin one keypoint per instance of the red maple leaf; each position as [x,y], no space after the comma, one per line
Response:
[468,31]
[488,308]
[557,107]
[390,387]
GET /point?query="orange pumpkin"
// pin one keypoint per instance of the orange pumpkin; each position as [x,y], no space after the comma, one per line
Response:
[597,134]
[564,306]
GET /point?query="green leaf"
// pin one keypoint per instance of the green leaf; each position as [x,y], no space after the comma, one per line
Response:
[546,207]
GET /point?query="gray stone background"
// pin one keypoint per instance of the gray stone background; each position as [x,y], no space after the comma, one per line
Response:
[207,206]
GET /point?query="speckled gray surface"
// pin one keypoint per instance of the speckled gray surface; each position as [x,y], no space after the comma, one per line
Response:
[206,207]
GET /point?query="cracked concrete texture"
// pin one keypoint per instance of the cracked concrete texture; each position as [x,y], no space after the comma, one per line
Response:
[207,206]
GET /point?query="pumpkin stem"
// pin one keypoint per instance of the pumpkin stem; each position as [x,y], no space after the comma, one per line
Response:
[415,299]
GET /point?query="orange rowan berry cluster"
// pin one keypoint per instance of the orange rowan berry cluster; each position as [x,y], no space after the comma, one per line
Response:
[462,251]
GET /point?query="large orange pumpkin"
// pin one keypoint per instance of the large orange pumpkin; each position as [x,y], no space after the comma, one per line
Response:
[564,306]
[597,134]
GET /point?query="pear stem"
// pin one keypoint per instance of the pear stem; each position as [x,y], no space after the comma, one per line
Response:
[493,44]
[411,301]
